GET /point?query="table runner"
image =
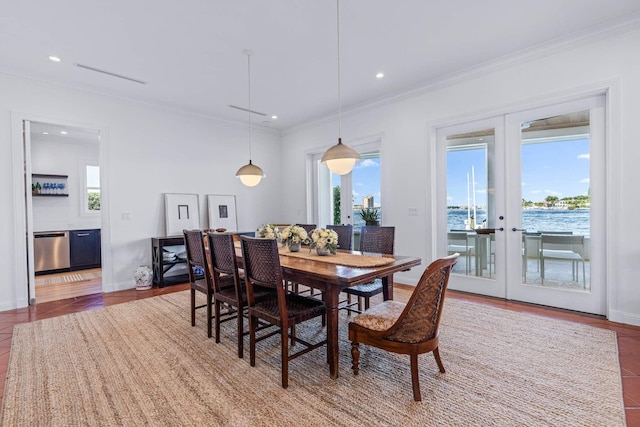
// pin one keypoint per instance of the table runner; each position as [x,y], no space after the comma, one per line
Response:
[341,258]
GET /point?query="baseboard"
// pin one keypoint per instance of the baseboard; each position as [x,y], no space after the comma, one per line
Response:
[119,286]
[12,305]
[626,318]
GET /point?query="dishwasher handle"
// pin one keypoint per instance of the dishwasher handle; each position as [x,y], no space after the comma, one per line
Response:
[49,235]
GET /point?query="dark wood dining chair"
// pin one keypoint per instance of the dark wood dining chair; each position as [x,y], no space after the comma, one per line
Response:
[308,227]
[378,240]
[287,309]
[228,286]
[197,260]
[345,235]
[410,328]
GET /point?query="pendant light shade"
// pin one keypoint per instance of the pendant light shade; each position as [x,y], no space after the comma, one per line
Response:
[250,174]
[340,159]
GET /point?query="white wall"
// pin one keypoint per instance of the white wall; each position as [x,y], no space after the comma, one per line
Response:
[148,152]
[63,158]
[406,125]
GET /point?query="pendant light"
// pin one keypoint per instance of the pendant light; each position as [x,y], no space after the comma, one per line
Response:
[250,174]
[340,159]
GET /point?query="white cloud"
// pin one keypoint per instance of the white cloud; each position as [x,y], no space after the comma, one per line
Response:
[585,181]
[584,156]
[552,192]
[367,163]
[536,191]
[359,184]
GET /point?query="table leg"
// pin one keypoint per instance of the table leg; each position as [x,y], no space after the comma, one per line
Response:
[331,300]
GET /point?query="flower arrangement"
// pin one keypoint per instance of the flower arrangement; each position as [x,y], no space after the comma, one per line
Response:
[268,231]
[321,238]
[294,234]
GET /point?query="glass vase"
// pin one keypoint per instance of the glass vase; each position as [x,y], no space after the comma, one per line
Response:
[294,247]
[322,251]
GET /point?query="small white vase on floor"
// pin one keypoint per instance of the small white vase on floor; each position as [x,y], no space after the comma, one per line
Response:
[143,277]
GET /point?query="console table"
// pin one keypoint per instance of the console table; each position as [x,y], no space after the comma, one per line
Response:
[162,266]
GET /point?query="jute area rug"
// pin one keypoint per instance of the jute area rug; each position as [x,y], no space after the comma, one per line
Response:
[141,363]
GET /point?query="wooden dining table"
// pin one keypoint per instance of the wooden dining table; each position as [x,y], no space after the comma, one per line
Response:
[332,278]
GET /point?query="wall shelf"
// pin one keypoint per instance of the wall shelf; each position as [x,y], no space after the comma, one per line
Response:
[51,186]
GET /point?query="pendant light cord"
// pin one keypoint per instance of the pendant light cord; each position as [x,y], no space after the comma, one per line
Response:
[339,99]
[249,81]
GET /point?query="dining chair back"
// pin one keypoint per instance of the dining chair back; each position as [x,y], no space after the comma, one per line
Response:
[199,275]
[378,240]
[410,328]
[229,288]
[285,310]
[345,235]
[308,227]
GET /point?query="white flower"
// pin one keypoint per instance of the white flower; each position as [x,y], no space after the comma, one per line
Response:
[323,238]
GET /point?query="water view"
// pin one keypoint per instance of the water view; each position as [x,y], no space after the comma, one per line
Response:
[576,221]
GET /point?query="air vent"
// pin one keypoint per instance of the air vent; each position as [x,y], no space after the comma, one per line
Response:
[247,110]
[109,73]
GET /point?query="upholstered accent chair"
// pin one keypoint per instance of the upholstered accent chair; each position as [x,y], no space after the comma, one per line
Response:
[262,270]
[410,328]
[378,240]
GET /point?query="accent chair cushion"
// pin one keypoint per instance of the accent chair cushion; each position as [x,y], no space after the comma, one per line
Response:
[380,317]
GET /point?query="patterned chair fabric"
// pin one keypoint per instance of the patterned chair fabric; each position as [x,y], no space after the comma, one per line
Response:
[345,235]
[196,259]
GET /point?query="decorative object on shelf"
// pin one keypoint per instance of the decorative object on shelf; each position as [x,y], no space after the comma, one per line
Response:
[49,185]
[370,216]
[340,159]
[143,277]
[181,212]
[293,236]
[268,231]
[222,211]
[325,241]
[250,174]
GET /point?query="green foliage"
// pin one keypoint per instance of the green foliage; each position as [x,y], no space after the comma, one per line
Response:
[94,201]
[370,216]
[336,206]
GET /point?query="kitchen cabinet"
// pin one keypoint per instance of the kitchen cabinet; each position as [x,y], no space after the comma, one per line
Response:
[85,249]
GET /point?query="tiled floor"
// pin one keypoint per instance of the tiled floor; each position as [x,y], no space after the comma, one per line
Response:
[628,336]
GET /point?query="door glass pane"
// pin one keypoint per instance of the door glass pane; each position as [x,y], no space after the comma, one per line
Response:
[470,202]
[556,201]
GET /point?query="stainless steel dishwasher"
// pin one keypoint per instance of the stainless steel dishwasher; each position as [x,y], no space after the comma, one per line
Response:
[51,250]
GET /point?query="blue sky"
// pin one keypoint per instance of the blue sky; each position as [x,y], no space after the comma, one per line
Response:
[558,169]
[366,181]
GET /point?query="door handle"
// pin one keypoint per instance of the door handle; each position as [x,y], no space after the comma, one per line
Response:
[82,234]
[518,229]
[500,229]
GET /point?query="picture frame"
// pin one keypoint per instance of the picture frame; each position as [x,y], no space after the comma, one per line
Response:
[182,212]
[222,212]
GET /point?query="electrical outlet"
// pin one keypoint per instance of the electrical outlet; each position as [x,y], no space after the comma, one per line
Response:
[412,211]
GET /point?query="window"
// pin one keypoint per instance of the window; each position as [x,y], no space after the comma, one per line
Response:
[92,189]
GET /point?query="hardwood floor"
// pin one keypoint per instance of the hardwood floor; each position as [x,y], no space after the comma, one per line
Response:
[69,289]
[628,336]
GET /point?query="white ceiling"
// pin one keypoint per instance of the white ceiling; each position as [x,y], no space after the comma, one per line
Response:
[190,52]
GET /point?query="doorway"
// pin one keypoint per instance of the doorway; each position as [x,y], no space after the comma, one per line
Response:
[524,205]
[63,211]
[342,199]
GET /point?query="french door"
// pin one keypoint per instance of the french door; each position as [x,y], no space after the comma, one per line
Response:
[521,198]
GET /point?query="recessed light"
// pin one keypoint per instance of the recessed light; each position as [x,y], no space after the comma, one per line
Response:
[64,132]
[379,75]
[45,133]
[54,58]
[274,117]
